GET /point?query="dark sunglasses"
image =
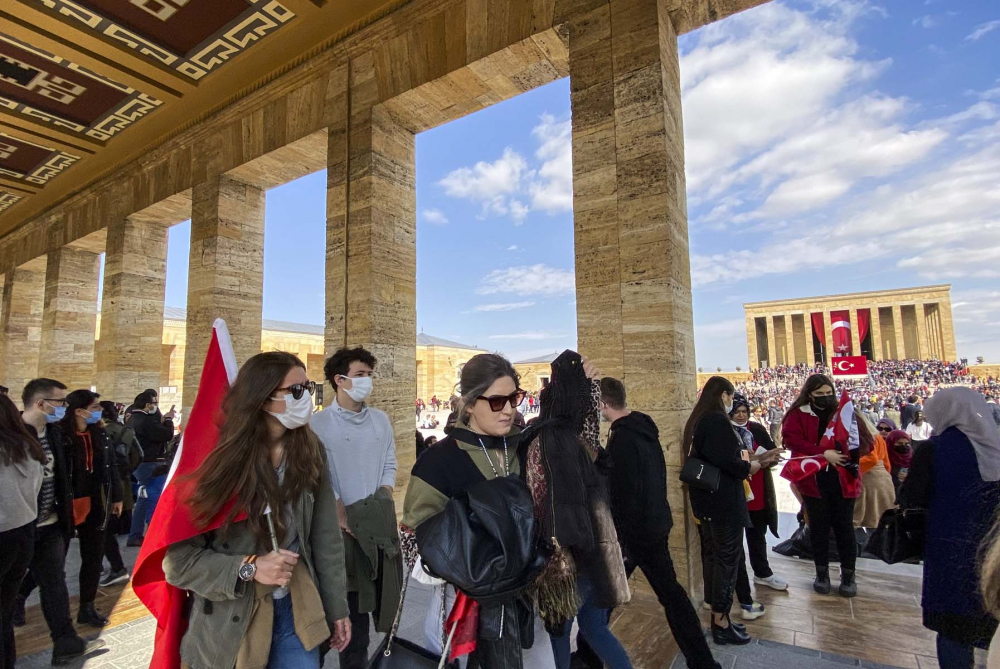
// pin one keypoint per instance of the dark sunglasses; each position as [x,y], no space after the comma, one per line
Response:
[300,388]
[881,428]
[497,402]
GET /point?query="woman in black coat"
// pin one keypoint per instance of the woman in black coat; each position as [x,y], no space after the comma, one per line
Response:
[710,436]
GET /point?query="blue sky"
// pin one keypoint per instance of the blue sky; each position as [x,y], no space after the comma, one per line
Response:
[831,146]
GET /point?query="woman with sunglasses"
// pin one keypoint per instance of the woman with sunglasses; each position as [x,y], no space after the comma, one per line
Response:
[483,445]
[877,490]
[267,575]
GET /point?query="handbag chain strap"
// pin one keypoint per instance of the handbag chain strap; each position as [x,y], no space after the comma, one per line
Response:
[399,614]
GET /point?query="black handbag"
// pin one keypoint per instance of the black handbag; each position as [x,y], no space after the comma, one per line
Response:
[700,474]
[398,653]
[899,535]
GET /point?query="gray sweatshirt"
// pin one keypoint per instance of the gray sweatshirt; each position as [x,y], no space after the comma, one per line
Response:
[19,486]
[360,448]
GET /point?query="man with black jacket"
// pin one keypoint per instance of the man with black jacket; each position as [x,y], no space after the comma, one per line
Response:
[44,404]
[154,432]
[638,489]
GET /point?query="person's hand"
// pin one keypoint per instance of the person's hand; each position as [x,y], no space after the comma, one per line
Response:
[835,458]
[754,467]
[170,415]
[342,518]
[116,509]
[341,635]
[276,568]
[902,476]
[590,369]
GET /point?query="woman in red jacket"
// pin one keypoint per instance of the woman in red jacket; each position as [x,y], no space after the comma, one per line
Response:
[829,501]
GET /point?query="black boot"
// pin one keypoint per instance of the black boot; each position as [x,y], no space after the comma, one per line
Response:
[848,586]
[730,635]
[822,582]
[88,615]
[67,649]
[17,618]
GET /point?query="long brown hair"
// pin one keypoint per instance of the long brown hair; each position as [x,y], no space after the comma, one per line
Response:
[710,401]
[240,465]
[989,556]
[16,443]
[812,383]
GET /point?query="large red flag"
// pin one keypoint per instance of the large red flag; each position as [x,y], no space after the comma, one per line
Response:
[172,521]
[840,326]
[797,469]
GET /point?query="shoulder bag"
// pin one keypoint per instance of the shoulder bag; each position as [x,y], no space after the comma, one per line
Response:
[700,474]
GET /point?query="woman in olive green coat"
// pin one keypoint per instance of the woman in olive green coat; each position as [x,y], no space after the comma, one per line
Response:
[263,597]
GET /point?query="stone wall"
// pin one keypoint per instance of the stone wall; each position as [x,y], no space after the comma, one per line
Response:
[438,370]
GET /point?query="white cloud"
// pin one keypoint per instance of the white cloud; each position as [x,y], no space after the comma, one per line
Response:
[505,306]
[512,247]
[528,280]
[926,21]
[435,216]
[982,29]
[518,211]
[552,191]
[735,327]
[528,335]
[485,181]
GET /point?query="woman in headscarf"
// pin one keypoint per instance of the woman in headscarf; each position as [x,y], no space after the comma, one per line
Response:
[900,452]
[955,476]
[877,490]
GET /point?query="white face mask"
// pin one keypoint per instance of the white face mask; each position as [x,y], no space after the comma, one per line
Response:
[361,388]
[297,411]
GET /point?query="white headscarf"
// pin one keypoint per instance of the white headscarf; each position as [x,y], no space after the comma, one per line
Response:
[965,409]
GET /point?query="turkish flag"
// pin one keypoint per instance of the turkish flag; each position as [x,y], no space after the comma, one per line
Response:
[464,619]
[173,521]
[800,468]
[852,365]
[840,327]
[841,434]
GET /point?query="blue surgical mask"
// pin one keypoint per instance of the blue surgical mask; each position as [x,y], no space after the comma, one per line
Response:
[94,417]
[57,416]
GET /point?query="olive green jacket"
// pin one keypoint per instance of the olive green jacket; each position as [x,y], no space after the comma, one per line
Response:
[222,605]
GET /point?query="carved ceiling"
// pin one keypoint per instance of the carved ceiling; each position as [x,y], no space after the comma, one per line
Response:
[87,84]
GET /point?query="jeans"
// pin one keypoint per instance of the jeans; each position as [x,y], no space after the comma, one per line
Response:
[355,656]
[47,570]
[594,628]
[91,557]
[831,510]
[287,651]
[743,593]
[954,654]
[757,545]
[143,511]
[14,559]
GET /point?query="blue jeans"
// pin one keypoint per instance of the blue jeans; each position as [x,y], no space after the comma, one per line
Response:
[143,511]
[594,628]
[286,649]
[954,654]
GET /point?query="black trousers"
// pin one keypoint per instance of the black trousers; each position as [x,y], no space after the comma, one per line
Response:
[18,544]
[727,561]
[48,572]
[831,510]
[355,656]
[742,586]
[91,537]
[112,550]
[757,545]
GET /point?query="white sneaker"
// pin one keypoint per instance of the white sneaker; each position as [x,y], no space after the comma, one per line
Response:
[752,611]
[772,582]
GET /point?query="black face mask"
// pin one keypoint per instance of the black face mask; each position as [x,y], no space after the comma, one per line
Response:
[825,403]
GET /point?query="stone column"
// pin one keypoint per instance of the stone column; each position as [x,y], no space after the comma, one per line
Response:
[923,342]
[752,361]
[226,272]
[828,334]
[21,327]
[371,249]
[947,330]
[810,349]
[69,317]
[897,324]
[876,328]
[789,340]
[135,272]
[855,333]
[772,343]
[633,273]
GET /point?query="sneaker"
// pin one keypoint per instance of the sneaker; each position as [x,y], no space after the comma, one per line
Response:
[752,611]
[134,542]
[115,576]
[772,582]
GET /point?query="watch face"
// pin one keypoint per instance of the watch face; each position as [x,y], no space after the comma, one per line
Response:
[247,572]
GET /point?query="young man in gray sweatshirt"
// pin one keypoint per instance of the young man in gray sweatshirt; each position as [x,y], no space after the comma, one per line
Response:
[362,457]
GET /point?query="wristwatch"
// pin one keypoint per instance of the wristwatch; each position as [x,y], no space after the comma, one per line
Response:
[248,569]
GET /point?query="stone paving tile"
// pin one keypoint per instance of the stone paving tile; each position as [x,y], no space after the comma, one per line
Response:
[762,654]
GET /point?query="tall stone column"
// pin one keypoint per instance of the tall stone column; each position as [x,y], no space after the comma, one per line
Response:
[633,273]
[828,335]
[947,330]
[876,327]
[69,317]
[772,342]
[225,274]
[897,324]
[752,361]
[789,340]
[371,250]
[810,349]
[923,342]
[855,332]
[21,327]
[129,351]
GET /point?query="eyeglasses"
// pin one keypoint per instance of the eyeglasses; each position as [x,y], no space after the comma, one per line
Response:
[882,428]
[498,402]
[299,388]
[55,402]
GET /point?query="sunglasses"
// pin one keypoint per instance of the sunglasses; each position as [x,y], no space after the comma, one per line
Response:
[498,402]
[300,388]
[883,429]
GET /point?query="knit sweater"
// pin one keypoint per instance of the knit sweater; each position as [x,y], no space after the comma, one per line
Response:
[360,449]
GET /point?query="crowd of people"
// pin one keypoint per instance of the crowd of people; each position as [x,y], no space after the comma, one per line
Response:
[296,533]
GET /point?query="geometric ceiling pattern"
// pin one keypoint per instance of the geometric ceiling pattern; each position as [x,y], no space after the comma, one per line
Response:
[29,162]
[8,200]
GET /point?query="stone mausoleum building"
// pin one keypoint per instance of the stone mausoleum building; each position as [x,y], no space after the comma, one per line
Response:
[898,324]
